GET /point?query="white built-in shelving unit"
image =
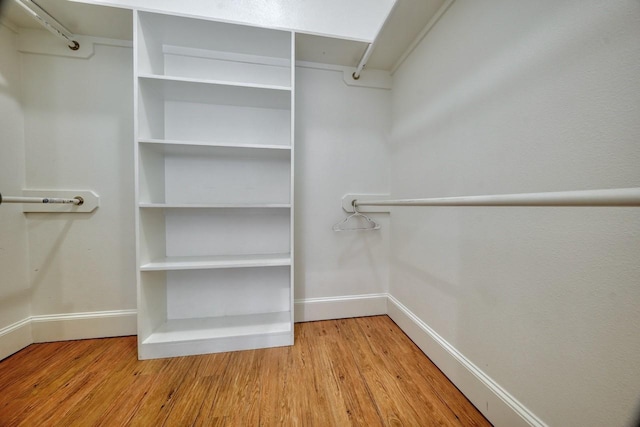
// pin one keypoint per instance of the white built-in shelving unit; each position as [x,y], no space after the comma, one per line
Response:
[214,145]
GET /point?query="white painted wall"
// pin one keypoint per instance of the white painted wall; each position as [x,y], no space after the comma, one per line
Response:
[341,147]
[514,97]
[79,135]
[14,282]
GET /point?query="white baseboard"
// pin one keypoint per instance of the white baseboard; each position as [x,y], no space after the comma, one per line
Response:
[76,326]
[15,337]
[311,309]
[495,403]
[63,327]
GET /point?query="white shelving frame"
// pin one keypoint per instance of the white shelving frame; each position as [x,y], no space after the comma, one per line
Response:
[214,160]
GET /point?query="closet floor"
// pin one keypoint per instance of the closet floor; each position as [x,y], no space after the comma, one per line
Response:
[362,371]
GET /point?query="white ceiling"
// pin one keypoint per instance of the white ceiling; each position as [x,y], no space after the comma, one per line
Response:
[405,23]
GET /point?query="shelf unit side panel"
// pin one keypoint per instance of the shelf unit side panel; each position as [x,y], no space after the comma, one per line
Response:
[292,133]
[151,111]
[151,175]
[152,235]
[152,306]
[227,292]
[149,41]
[210,232]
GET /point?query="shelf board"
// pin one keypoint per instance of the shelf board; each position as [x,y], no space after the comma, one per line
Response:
[212,92]
[222,261]
[213,144]
[211,328]
[213,82]
[215,205]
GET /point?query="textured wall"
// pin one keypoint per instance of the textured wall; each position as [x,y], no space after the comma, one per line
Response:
[516,97]
[14,283]
[341,147]
[79,135]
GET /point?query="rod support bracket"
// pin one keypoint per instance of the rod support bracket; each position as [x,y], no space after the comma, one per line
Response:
[349,203]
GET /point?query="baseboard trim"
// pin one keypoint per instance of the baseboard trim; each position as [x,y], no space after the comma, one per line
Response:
[490,398]
[76,326]
[15,337]
[312,309]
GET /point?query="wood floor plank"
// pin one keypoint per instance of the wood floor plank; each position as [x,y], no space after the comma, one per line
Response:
[412,359]
[388,398]
[157,404]
[55,383]
[238,399]
[432,411]
[358,401]
[349,372]
[93,407]
[276,405]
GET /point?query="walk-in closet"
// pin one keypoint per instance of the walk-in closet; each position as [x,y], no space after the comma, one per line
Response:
[321,212]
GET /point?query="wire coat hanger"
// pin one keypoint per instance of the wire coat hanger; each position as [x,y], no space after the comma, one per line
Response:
[370,224]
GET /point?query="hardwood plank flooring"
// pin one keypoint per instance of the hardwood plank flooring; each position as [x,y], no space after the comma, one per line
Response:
[348,372]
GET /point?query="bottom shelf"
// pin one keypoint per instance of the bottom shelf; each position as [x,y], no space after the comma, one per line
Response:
[183,337]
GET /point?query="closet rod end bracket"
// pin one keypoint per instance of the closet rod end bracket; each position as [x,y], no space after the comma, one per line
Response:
[350,200]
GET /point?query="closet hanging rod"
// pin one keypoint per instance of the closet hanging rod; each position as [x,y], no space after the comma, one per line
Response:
[49,22]
[610,197]
[78,201]
[363,61]
[367,53]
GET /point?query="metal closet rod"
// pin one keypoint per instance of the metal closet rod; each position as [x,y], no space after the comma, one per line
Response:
[363,61]
[611,197]
[49,22]
[78,201]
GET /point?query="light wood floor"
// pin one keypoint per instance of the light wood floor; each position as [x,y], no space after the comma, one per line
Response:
[361,371]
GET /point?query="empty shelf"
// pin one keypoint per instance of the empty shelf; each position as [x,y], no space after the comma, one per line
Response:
[213,82]
[223,261]
[209,328]
[215,205]
[213,144]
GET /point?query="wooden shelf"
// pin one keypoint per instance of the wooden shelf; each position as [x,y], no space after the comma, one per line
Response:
[213,144]
[222,261]
[209,328]
[215,206]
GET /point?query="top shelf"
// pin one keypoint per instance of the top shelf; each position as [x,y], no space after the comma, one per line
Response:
[221,82]
[187,48]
